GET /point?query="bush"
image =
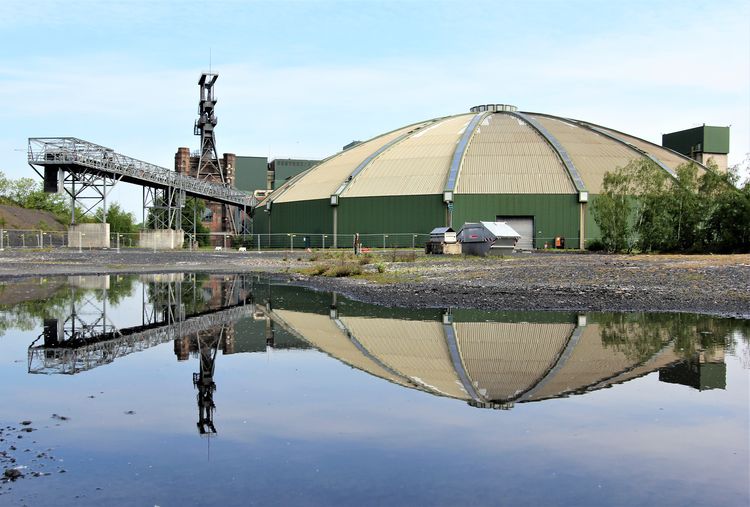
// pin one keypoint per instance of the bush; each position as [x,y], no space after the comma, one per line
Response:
[340,270]
[365,259]
[595,245]
[333,270]
[316,270]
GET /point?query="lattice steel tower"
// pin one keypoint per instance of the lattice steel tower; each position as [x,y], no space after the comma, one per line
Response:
[209,164]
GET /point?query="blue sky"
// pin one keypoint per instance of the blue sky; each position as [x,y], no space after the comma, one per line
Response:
[301,79]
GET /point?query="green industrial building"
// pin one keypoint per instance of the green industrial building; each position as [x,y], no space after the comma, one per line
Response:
[257,173]
[536,171]
[251,173]
[702,144]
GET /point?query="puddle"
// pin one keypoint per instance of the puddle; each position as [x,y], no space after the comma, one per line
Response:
[228,389]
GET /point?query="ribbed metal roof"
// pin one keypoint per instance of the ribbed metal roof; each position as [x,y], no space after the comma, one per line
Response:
[419,354]
[590,361]
[668,157]
[593,154]
[502,152]
[321,181]
[323,333]
[497,361]
[507,156]
[507,359]
[415,166]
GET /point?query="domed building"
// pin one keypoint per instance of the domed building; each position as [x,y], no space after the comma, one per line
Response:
[536,171]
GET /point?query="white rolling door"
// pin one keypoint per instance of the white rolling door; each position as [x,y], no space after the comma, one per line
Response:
[523,226]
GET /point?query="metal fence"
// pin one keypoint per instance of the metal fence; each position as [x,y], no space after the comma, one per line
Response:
[15,238]
[294,241]
[36,239]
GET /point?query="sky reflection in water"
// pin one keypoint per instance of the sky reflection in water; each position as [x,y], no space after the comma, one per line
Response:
[320,400]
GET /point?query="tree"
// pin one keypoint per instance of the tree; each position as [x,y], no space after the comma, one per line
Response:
[726,211]
[29,193]
[650,187]
[119,220]
[641,206]
[612,209]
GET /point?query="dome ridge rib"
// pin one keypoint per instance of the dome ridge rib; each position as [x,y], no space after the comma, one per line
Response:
[570,167]
[370,158]
[598,128]
[595,128]
[380,362]
[457,361]
[458,155]
[561,360]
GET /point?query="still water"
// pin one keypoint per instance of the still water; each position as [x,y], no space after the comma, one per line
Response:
[184,389]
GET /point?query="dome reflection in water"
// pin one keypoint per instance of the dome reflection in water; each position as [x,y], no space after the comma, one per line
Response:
[289,380]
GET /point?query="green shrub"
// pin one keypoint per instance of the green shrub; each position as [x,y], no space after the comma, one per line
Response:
[341,270]
[595,245]
[364,259]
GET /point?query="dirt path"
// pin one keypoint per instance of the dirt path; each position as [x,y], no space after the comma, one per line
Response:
[718,285]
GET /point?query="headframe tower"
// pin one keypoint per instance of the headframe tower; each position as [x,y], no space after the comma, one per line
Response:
[209,163]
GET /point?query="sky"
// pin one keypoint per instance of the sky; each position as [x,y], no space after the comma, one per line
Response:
[301,79]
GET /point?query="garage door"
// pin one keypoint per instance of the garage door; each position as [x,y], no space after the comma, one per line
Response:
[523,226]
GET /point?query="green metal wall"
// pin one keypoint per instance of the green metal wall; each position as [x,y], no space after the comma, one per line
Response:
[699,139]
[390,214]
[554,214]
[716,139]
[250,173]
[312,217]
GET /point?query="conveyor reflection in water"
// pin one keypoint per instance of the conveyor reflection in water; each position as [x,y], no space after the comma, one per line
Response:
[488,359]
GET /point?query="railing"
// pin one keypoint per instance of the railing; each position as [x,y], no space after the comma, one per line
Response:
[301,241]
[61,359]
[11,239]
[57,151]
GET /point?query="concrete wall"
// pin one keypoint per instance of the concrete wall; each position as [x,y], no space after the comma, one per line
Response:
[162,277]
[719,159]
[162,239]
[89,282]
[88,236]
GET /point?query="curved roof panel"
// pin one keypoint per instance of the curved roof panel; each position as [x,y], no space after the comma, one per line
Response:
[323,333]
[416,165]
[668,157]
[590,363]
[505,360]
[414,348]
[507,156]
[592,154]
[325,178]
[506,153]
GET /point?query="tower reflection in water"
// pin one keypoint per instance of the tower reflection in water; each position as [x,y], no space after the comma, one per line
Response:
[488,359]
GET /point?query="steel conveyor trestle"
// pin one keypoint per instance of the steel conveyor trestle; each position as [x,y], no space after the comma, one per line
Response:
[75,155]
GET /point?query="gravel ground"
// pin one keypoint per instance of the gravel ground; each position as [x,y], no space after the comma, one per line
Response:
[717,285]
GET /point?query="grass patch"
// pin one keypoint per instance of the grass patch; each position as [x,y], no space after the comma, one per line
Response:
[397,256]
[340,270]
[342,257]
[333,269]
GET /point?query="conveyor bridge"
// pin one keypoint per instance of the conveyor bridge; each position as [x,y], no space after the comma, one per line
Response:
[76,156]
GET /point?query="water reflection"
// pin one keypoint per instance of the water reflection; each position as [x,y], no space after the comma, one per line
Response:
[488,359]
[495,361]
